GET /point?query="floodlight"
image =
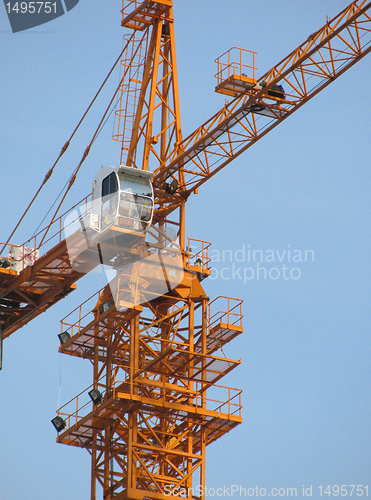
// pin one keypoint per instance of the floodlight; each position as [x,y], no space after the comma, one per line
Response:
[105,306]
[59,423]
[63,337]
[95,396]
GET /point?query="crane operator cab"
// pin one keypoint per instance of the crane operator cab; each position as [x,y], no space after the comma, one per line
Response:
[120,215]
[121,198]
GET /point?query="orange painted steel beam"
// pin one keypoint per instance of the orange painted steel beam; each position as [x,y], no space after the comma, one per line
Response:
[37,287]
[138,14]
[310,68]
[325,55]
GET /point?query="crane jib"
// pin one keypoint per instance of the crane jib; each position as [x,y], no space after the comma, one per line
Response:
[306,71]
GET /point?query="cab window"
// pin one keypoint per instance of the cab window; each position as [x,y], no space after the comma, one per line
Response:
[109,185]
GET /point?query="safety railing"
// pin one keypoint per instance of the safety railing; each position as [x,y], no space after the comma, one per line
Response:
[234,63]
[17,257]
[53,234]
[229,311]
[226,401]
[197,254]
[82,406]
[137,14]
[81,316]
[129,6]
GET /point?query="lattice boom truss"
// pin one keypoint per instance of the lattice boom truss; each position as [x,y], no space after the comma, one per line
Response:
[322,58]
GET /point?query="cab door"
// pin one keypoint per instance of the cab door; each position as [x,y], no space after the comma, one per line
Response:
[109,200]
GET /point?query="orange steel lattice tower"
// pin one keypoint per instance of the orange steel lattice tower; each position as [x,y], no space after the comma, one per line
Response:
[157,354]
[154,338]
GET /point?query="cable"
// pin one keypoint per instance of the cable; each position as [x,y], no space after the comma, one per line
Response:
[48,175]
[60,379]
[47,213]
[86,152]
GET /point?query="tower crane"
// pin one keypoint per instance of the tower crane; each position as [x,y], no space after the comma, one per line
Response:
[153,336]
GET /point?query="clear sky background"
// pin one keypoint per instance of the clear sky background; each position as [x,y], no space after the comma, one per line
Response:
[306,344]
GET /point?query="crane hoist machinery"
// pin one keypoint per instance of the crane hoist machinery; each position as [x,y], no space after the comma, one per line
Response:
[153,336]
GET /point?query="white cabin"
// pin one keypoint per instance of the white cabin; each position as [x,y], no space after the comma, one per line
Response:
[123,198]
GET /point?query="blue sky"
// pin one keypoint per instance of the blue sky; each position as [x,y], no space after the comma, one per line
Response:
[305,349]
